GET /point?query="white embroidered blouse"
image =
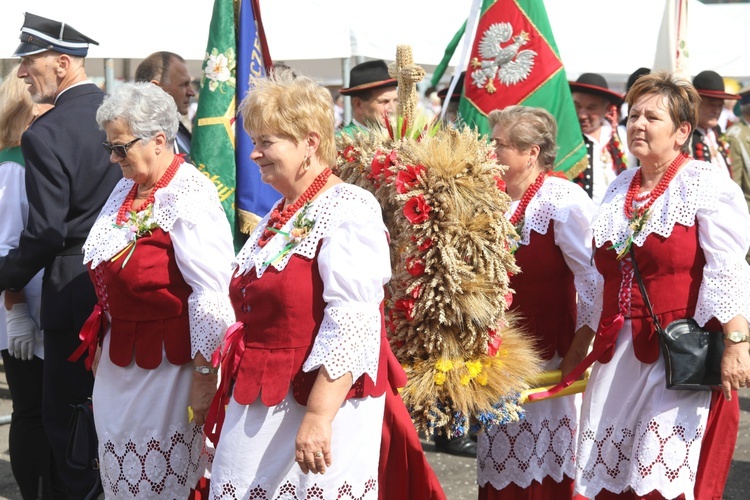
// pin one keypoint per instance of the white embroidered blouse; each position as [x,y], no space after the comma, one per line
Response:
[354,265]
[698,193]
[188,208]
[571,211]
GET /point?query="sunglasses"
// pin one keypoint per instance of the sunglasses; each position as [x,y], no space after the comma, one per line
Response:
[120,150]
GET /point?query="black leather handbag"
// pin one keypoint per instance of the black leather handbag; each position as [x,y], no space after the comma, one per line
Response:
[692,355]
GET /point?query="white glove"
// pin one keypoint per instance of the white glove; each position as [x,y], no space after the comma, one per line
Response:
[21,332]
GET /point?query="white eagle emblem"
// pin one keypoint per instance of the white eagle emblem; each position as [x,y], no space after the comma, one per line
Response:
[506,63]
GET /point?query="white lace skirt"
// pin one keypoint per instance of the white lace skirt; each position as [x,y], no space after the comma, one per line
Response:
[634,432]
[542,444]
[147,448]
[255,455]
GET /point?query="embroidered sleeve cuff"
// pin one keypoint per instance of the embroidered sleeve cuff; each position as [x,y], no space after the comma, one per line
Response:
[210,315]
[724,293]
[348,341]
[590,288]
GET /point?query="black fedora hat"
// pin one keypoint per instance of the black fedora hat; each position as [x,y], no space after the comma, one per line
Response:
[710,84]
[456,95]
[367,76]
[39,34]
[593,83]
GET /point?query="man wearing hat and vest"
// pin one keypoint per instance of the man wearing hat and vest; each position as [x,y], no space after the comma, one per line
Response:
[708,143]
[68,179]
[596,107]
[373,93]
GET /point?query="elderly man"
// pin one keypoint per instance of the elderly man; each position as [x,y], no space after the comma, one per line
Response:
[68,179]
[708,143]
[373,93]
[596,107]
[170,72]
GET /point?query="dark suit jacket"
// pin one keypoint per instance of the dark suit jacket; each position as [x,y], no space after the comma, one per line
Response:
[68,179]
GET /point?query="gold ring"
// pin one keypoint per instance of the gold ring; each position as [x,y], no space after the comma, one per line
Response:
[318,454]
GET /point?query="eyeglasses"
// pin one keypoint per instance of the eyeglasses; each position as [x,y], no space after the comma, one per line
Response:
[120,150]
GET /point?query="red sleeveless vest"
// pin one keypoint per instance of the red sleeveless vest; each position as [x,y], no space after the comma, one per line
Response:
[545,294]
[281,314]
[672,270]
[147,300]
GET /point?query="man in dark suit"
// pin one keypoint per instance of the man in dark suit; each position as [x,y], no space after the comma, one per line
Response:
[68,179]
[170,72]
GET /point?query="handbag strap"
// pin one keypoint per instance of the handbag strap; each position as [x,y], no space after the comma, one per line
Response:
[642,287]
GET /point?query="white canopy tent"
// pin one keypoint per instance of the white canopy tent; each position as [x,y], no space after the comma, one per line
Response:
[611,37]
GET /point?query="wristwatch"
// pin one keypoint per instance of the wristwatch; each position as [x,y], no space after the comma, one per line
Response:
[205,370]
[736,337]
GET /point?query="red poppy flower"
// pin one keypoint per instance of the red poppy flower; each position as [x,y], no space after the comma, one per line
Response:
[417,291]
[416,210]
[407,306]
[426,244]
[494,343]
[407,179]
[415,266]
[390,160]
[500,184]
[508,300]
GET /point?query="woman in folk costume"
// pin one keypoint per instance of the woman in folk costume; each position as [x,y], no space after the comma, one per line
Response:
[305,371]
[159,256]
[21,340]
[688,229]
[534,458]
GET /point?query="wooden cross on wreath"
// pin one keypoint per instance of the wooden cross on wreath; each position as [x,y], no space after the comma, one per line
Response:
[408,74]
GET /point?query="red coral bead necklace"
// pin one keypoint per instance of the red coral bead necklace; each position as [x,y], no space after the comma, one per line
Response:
[281,214]
[167,176]
[526,198]
[633,195]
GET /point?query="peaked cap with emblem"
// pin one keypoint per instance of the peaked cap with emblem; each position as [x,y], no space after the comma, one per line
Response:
[367,76]
[710,84]
[39,34]
[593,83]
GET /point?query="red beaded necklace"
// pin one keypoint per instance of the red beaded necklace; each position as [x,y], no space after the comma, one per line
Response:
[631,212]
[526,198]
[280,217]
[127,205]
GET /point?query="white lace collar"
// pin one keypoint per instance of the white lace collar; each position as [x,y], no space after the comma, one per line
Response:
[339,204]
[553,201]
[694,187]
[185,197]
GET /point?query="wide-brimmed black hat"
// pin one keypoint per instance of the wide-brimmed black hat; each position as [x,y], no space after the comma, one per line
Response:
[592,83]
[710,84]
[39,34]
[456,95]
[367,76]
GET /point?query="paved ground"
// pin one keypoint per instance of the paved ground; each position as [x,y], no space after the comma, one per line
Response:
[457,475]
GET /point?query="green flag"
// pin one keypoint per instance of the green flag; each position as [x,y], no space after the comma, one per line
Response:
[514,60]
[212,148]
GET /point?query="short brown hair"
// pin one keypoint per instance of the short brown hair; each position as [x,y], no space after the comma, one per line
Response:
[293,106]
[527,126]
[681,97]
